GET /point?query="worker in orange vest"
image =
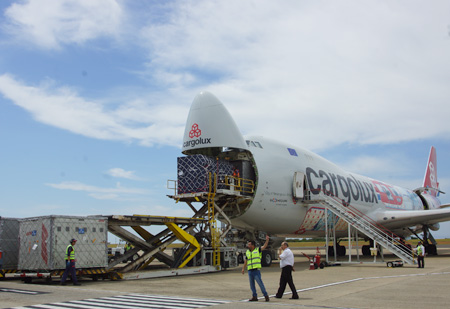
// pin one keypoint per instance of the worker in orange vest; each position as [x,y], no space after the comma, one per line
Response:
[236,177]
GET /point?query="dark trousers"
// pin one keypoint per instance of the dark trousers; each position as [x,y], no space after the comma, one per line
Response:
[286,278]
[421,261]
[70,269]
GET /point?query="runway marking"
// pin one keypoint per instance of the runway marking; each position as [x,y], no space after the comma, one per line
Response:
[368,278]
[132,301]
[358,279]
[21,291]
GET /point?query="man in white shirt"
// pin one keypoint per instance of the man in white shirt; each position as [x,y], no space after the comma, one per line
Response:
[287,265]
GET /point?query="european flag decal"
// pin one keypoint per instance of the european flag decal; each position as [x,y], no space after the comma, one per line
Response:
[292,152]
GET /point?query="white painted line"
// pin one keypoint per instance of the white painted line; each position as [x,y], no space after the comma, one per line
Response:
[358,279]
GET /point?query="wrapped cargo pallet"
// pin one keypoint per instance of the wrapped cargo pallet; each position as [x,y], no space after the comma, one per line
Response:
[193,173]
[43,242]
[9,242]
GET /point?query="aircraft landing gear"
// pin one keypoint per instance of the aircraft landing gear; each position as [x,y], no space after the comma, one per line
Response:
[429,242]
[240,258]
[266,258]
[431,249]
[365,250]
[340,250]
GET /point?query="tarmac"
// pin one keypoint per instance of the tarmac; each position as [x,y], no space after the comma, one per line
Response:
[363,285]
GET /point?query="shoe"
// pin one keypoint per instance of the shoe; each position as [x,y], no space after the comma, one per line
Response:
[77,283]
[267,298]
[294,297]
[276,296]
[253,299]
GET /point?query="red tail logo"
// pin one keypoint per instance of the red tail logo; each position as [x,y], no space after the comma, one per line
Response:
[430,180]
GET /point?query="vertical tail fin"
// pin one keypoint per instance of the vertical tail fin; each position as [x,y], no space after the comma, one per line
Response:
[430,180]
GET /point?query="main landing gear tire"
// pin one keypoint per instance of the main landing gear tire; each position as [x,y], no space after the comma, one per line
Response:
[266,258]
[240,258]
[340,250]
[366,250]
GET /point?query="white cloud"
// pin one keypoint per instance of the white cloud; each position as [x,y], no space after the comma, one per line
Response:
[117,193]
[62,107]
[317,74]
[50,24]
[121,173]
[371,165]
[320,75]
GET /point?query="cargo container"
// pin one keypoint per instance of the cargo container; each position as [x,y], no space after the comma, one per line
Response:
[43,242]
[9,243]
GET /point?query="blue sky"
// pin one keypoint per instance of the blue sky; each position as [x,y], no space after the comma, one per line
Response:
[94,94]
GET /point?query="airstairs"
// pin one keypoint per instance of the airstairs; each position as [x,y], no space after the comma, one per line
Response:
[369,227]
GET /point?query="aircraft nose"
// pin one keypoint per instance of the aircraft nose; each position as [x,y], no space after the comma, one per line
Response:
[209,127]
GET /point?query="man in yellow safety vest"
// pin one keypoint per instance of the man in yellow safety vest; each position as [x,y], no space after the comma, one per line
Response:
[420,255]
[70,264]
[253,263]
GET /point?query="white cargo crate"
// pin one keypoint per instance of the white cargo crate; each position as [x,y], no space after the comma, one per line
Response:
[9,242]
[43,242]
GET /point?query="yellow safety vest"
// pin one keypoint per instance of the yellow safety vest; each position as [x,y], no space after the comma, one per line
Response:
[253,259]
[419,250]
[72,253]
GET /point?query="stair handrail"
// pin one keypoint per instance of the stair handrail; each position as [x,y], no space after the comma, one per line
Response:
[377,228]
[400,250]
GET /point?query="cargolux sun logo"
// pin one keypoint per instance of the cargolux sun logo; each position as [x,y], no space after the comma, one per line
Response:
[196,132]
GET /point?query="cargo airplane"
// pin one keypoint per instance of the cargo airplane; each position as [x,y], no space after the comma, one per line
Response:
[280,185]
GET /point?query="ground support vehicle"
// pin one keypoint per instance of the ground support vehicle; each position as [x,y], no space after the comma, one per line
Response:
[392,264]
[146,247]
[42,242]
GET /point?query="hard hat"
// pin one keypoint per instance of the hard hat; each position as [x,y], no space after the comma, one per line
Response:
[73,239]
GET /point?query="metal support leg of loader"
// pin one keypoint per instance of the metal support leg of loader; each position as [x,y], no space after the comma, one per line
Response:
[188,239]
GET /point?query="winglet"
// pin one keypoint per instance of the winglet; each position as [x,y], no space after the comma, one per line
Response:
[430,180]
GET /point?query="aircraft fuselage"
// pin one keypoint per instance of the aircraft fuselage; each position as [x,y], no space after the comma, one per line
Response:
[276,210]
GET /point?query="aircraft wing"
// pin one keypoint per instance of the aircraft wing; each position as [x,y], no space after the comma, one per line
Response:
[395,219]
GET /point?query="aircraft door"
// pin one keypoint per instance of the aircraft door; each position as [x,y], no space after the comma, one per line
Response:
[299,185]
